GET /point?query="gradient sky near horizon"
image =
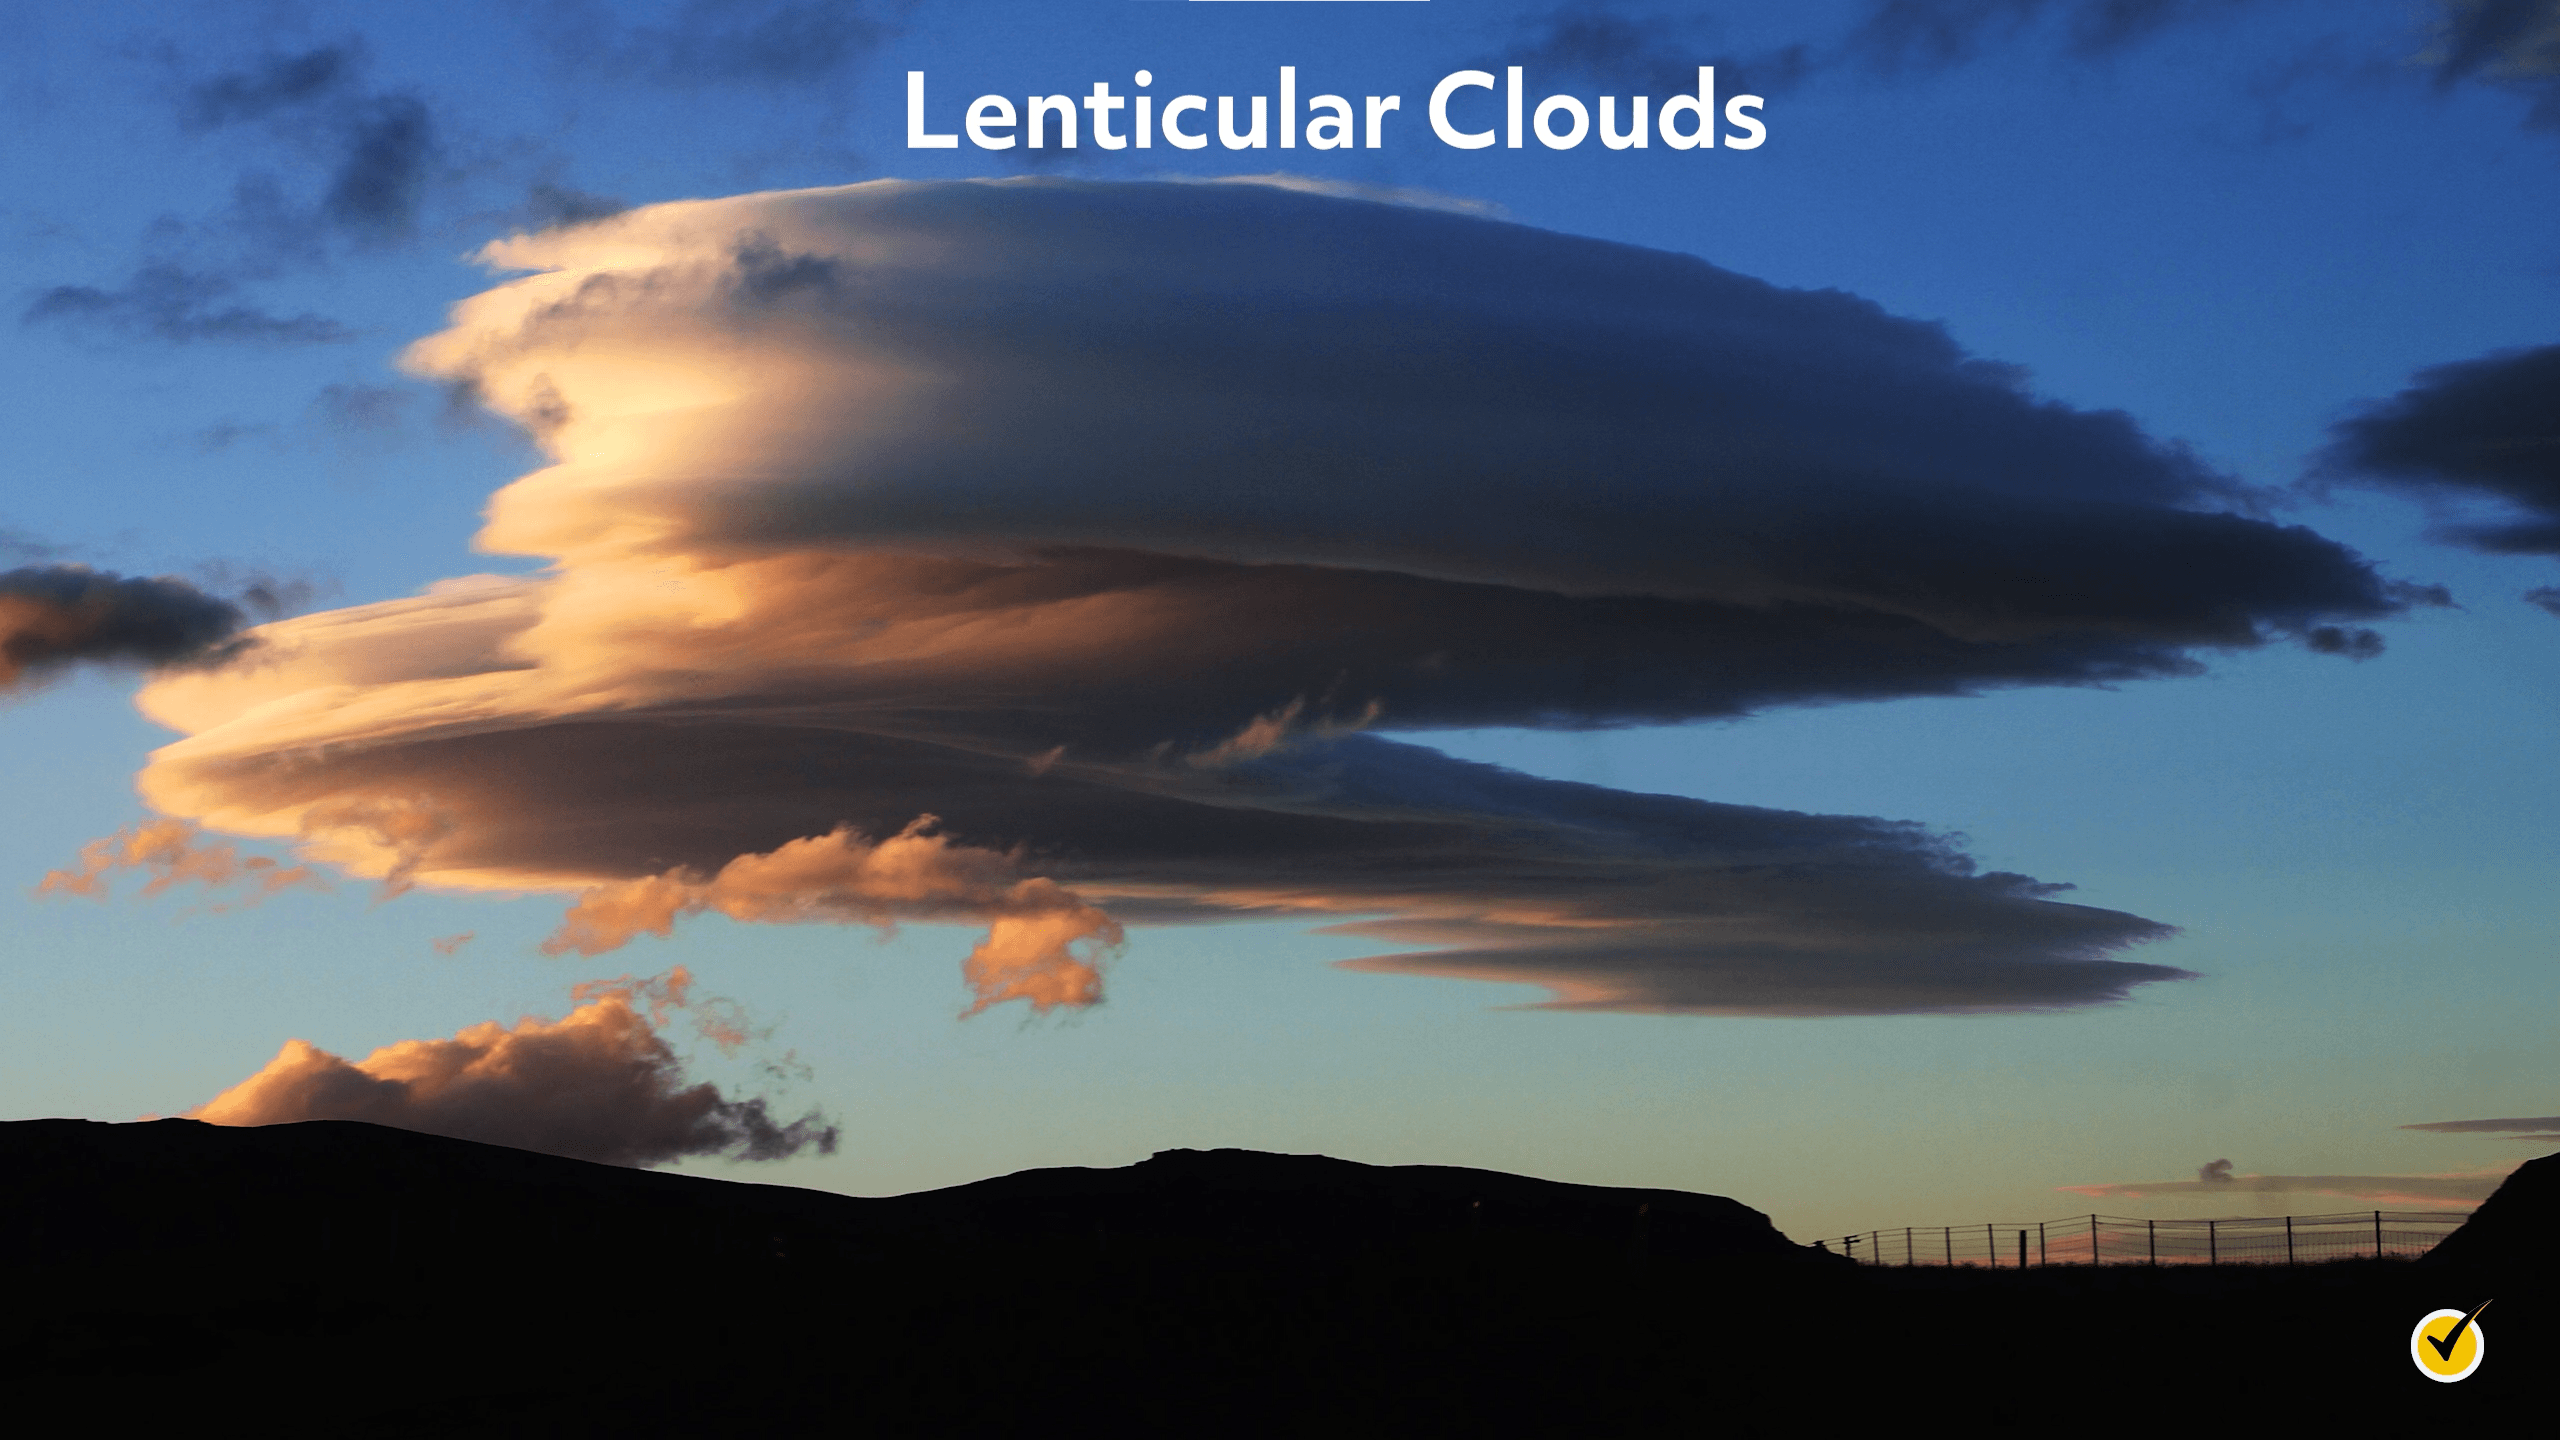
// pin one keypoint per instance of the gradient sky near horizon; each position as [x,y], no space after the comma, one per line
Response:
[2241,224]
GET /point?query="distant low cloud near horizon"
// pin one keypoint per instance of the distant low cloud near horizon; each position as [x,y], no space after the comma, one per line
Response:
[2451,1188]
[1126,536]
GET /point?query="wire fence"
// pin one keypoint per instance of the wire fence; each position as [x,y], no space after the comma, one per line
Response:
[2114,1240]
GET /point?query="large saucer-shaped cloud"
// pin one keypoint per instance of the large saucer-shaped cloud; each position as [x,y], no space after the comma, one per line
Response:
[1095,519]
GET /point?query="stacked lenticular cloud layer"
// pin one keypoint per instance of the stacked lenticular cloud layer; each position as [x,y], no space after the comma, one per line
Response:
[1058,555]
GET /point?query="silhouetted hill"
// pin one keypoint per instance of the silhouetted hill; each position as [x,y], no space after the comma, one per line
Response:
[1248,1197]
[343,1193]
[364,1281]
[2515,1234]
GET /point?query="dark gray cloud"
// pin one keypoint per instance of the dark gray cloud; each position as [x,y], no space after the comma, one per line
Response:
[374,189]
[2541,1123]
[550,204]
[278,82]
[1904,35]
[52,616]
[1654,51]
[376,147]
[362,409]
[370,156]
[164,301]
[19,545]
[1649,52]
[2510,43]
[222,435]
[2480,429]
[723,42]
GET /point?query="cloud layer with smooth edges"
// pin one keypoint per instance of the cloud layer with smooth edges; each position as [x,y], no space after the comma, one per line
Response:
[1123,528]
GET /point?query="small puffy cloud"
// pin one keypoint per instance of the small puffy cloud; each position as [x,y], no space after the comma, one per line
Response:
[599,1084]
[1030,953]
[175,854]
[52,616]
[1137,532]
[2214,1171]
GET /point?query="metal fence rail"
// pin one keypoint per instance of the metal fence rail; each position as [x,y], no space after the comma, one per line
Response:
[2114,1240]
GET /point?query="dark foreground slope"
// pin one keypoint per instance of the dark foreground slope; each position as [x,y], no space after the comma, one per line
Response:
[357,1280]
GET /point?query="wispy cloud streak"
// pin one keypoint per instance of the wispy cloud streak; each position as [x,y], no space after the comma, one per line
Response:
[2448,1189]
[174,853]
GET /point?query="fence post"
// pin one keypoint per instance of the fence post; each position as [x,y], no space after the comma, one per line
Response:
[2288,1239]
[2212,1253]
[2151,1229]
[2022,1249]
[1990,1247]
[2040,1256]
[1906,1247]
[2377,1234]
[1949,1234]
[2093,1239]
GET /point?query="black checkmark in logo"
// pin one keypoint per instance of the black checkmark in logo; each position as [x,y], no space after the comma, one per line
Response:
[2453,1337]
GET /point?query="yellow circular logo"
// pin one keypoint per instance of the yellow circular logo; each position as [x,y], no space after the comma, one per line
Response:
[2448,1345]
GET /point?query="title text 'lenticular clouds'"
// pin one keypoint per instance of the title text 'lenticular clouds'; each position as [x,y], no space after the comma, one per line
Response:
[599,1084]
[1110,524]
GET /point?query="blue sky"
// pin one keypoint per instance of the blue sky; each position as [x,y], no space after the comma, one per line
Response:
[2235,228]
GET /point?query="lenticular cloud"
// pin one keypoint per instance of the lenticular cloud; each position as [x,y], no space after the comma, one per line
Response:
[1129,531]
